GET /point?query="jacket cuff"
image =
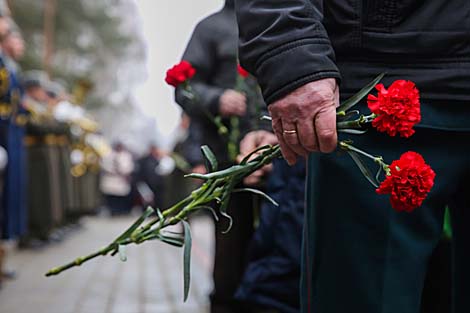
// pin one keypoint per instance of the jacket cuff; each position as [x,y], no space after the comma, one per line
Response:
[293,65]
[213,99]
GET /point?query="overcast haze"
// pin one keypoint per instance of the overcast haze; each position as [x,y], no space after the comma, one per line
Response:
[167,27]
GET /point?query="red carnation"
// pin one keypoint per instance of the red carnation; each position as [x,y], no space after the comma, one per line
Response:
[409,181]
[180,73]
[242,72]
[397,109]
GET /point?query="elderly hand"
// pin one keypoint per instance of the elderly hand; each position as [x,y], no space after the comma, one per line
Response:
[232,103]
[305,120]
[250,142]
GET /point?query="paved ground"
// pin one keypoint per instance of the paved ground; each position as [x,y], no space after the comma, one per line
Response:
[150,281]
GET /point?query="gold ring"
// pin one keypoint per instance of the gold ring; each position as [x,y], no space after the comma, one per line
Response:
[290,132]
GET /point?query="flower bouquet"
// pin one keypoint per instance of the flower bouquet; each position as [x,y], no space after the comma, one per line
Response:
[408,180]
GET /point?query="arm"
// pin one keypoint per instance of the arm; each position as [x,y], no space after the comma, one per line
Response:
[284,44]
[200,54]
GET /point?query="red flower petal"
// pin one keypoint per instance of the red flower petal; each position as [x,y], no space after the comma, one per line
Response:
[180,73]
[409,182]
[398,108]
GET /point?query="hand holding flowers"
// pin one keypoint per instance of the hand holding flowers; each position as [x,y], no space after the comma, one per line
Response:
[394,111]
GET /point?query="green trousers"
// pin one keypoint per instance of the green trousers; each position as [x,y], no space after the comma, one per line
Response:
[359,255]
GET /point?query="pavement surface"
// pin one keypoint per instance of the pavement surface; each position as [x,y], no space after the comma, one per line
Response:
[151,281]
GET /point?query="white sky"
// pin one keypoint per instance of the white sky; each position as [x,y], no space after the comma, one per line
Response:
[167,27]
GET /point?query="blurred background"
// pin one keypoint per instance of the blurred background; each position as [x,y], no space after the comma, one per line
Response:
[91,135]
[95,114]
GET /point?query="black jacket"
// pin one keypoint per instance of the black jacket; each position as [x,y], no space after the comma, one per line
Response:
[213,50]
[287,44]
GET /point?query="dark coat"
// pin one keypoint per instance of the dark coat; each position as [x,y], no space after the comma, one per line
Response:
[287,44]
[213,50]
[272,277]
[146,172]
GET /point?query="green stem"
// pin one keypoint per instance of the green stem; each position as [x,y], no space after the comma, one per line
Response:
[81,260]
[377,159]
[346,146]
[356,124]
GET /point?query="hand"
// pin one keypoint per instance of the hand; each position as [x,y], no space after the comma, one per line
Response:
[250,142]
[232,103]
[199,169]
[305,120]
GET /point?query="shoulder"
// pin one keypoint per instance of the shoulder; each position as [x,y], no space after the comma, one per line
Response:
[217,22]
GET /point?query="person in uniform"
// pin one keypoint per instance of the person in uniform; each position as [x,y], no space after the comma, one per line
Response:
[15,188]
[359,254]
[61,109]
[45,206]
[212,50]
[3,137]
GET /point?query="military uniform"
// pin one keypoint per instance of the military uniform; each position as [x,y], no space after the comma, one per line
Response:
[43,140]
[14,118]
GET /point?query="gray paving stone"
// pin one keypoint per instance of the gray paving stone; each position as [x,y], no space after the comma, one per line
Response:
[151,281]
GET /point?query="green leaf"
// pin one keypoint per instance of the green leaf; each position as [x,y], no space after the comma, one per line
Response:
[122,253]
[447,231]
[247,158]
[257,192]
[352,131]
[187,259]
[160,215]
[210,209]
[210,159]
[233,170]
[347,115]
[364,169]
[348,104]
[135,225]
[173,241]
[224,202]
[377,177]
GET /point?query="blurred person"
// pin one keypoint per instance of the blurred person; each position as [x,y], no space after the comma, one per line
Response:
[13,45]
[15,187]
[186,153]
[3,131]
[57,98]
[3,165]
[212,50]
[148,172]
[35,98]
[43,138]
[115,182]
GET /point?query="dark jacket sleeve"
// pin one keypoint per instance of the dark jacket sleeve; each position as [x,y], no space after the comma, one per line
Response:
[200,53]
[285,44]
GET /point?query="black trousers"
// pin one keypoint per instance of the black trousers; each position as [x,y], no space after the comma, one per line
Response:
[362,256]
[231,254]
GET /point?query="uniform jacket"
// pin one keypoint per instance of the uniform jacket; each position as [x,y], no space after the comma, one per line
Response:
[287,44]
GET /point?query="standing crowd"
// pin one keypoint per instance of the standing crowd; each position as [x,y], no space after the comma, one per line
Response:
[49,160]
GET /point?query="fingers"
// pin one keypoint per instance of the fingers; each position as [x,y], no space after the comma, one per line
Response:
[325,124]
[289,155]
[291,137]
[307,135]
[232,103]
